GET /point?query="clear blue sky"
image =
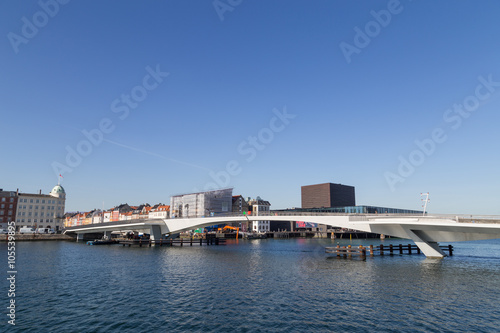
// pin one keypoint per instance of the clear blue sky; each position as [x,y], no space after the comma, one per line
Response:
[355,102]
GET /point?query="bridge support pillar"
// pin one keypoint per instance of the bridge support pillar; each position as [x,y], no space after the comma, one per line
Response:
[107,235]
[430,249]
[79,237]
[155,233]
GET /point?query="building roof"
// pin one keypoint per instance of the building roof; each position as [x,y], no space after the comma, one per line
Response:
[58,189]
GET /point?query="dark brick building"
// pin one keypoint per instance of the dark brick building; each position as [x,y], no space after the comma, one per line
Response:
[8,207]
[328,195]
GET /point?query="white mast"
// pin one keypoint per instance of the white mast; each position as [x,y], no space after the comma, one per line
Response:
[425,201]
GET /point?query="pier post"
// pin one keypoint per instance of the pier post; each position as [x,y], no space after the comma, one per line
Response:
[400,248]
[409,248]
[371,250]
[338,250]
[362,250]
[382,249]
[391,249]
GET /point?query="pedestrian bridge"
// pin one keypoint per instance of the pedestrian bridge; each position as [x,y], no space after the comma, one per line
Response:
[425,231]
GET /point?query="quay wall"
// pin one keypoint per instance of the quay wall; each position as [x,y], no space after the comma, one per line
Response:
[37,237]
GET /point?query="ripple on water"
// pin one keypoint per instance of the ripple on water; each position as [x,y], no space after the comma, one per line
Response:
[268,285]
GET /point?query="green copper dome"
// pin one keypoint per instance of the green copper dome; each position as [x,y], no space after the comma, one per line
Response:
[58,189]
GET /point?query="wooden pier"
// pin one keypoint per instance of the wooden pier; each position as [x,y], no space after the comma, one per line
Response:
[391,249]
[173,242]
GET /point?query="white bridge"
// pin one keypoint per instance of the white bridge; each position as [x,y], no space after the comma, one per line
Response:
[425,231]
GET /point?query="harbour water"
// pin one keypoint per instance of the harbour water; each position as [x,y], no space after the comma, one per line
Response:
[285,285]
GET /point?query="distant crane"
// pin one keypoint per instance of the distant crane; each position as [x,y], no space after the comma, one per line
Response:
[424,201]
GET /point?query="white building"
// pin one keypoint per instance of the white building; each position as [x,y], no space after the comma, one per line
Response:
[159,212]
[201,203]
[41,210]
[260,207]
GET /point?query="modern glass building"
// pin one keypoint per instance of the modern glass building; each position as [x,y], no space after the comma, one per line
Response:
[356,210]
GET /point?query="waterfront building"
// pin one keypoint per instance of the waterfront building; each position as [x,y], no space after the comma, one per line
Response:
[355,210]
[107,216]
[201,203]
[240,205]
[8,207]
[41,210]
[328,195]
[159,211]
[97,216]
[260,207]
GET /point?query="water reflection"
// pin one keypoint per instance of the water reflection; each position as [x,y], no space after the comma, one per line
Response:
[288,285]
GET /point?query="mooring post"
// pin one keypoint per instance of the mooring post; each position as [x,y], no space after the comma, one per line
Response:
[181,241]
[149,242]
[450,250]
[409,248]
[171,242]
[140,242]
[349,250]
[338,250]
[400,248]
[191,242]
[362,250]
[371,250]
[201,241]
[391,249]
[382,249]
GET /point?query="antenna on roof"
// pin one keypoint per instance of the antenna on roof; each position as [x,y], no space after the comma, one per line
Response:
[425,201]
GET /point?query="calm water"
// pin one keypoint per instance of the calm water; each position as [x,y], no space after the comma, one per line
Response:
[252,286]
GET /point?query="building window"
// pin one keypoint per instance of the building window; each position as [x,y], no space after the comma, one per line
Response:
[2,206]
[43,201]
[11,199]
[37,201]
[31,200]
[10,212]
[36,207]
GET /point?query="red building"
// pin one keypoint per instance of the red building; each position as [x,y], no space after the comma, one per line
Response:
[8,207]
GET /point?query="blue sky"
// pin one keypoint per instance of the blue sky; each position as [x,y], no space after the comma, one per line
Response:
[394,98]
